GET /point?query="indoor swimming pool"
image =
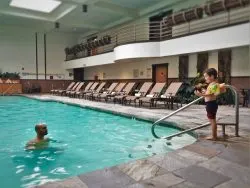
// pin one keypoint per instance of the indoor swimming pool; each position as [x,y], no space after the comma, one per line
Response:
[86,140]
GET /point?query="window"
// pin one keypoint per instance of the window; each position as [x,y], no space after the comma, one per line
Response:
[45,6]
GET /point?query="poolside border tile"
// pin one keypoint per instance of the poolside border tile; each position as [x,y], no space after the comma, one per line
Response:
[201,156]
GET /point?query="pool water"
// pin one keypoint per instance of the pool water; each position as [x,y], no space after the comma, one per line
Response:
[87,140]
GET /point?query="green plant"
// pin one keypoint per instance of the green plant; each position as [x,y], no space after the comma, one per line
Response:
[186,92]
[226,98]
[8,75]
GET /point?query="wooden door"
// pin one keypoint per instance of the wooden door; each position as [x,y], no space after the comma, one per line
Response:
[160,73]
[79,74]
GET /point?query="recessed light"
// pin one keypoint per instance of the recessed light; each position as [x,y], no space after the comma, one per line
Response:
[45,6]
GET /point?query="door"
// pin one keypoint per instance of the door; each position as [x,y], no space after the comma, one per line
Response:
[160,73]
[79,74]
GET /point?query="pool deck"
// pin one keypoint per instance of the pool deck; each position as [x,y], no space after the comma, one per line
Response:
[220,164]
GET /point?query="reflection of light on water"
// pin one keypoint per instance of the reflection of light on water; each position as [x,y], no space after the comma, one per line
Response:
[19,171]
[32,176]
[43,177]
[41,157]
[50,159]
[37,169]
[46,158]
[20,166]
[40,181]
[56,152]
[45,153]
[59,170]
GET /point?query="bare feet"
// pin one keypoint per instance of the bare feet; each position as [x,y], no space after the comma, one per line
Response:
[210,138]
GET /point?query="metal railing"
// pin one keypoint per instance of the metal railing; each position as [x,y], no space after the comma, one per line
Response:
[236,124]
[158,31]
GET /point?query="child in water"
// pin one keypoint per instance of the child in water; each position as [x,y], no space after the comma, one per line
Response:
[210,94]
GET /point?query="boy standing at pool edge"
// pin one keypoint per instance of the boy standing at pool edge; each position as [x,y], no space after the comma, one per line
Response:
[210,94]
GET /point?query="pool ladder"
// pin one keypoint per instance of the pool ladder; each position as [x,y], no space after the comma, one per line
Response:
[236,123]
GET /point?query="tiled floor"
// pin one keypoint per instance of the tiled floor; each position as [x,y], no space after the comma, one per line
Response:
[221,164]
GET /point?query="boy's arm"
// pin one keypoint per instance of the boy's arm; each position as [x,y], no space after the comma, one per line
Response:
[203,94]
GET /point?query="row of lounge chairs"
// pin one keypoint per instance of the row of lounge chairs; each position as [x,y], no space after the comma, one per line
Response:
[124,93]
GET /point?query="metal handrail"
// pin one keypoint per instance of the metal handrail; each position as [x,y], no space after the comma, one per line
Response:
[148,31]
[236,95]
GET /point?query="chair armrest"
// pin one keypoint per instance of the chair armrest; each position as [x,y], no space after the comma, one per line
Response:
[156,94]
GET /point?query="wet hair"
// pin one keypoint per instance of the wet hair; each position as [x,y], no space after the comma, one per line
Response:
[212,72]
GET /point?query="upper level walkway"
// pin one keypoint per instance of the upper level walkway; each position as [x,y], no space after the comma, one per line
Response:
[158,39]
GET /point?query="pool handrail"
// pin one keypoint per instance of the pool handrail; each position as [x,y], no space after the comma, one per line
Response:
[236,101]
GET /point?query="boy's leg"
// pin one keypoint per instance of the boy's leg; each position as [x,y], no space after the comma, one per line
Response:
[212,108]
[214,128]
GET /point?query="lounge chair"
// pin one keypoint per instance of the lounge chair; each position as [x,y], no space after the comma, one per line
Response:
[54,91]
[8,81]
[63,92]
[142,93]
[126,91]
[72,92]
[116,91]
[97,91]
[77,93]
[153,95]
[91,89]
[171,94]
[99,96]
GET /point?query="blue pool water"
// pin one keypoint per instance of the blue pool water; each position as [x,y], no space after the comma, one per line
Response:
[87,140]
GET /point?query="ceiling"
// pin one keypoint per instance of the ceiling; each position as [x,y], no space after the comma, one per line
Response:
[101,14]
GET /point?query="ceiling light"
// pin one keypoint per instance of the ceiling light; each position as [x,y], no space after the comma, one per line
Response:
[45,6]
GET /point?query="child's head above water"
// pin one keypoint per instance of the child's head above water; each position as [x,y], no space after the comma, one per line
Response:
[210,75]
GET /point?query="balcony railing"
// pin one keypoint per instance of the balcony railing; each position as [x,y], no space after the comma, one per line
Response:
[158,31]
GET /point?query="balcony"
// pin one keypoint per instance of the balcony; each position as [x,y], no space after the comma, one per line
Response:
[164,33]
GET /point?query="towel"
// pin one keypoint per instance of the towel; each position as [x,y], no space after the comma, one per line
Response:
[138,94]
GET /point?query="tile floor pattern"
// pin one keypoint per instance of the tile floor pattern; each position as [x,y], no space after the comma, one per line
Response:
[204,164]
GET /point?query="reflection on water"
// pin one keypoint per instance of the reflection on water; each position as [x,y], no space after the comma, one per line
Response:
[34,162]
